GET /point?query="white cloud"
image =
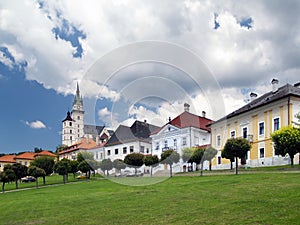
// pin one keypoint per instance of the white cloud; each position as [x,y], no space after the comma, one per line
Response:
[238,57]
[36,124]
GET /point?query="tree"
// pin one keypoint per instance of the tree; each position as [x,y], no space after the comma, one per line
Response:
[118,164]
[37,150]
[62,167]
[151,160]
[84,167]
[73,167]
[19,170]
[287,141]
[187,154]
[60,148]
[46,163]
[197,156]
[36,172]
[238,147]
[228,155]
[170,157]
[209,154]
[106,165]
[134,160]
[7,176]
[89,159]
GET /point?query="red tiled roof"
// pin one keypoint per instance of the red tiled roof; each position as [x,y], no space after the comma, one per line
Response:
[45,153]
[26,155]
[187,119]
[8,159]
[84,144]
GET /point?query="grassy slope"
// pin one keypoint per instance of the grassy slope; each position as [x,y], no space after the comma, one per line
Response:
[228,199]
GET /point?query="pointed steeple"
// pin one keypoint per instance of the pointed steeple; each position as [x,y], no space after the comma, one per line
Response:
[78,102]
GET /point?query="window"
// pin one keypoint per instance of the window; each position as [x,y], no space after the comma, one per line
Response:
[219,160]
[71,138]
[218,140]
[78,126]
[142,149]
[166,143]
[131,149]
[261,128]
[276,124]
[261,153]
[184,141]
[108,152]
[70,124]
[175,142]
[245,132]
[116,151]
[124,150]
[196,140]
[70,131]
[0,165]
[232,134]
[157,145]
[147,150]
[78,117]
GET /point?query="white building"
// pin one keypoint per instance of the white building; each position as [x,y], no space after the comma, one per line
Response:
[185,131]
[74,129]
[128,140]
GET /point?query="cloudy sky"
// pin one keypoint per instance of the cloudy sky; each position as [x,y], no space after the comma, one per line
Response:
[137,60]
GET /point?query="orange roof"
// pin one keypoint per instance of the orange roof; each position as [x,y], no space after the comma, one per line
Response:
[84,144]
[26,155]
[45,153]
[8,159]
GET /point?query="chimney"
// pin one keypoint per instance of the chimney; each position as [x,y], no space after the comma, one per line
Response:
[186,107]
[274,85]
[253,96]
[169,119]
[203,114]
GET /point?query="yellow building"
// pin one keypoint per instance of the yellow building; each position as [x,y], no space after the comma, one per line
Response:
[256,121]
[6,159]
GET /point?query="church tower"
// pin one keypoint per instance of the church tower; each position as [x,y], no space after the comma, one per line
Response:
[78,115]
[73,124]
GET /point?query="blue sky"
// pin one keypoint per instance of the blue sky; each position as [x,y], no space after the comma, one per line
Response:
[46,47]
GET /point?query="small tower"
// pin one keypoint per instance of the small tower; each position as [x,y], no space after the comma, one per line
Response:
[78,115]
[68,131]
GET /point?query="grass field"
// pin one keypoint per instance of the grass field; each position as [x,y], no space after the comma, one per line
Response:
[260,198]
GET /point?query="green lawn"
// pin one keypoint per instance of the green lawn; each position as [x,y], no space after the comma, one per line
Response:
[258,198]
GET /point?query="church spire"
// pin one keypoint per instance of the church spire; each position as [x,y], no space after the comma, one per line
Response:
[78,102]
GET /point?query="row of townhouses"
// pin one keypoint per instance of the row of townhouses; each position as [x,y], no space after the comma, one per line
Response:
[254,121]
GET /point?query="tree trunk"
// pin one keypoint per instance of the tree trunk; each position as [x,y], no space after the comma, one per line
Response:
[170,170]
[231,166]
[64,179]
[209,165]
[201,169]
[236,165]
[17,186]
[44,180]
[151,168]
[292,161]
[135,171]
[3,184]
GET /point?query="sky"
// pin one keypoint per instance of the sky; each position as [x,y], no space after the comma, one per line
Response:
[137,59]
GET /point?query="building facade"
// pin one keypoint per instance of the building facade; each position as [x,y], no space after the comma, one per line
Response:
[185,131]
[255,122]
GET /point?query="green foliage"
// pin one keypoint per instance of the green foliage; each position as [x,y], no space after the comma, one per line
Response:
[209,153]
[287,141]
[44,162]
[187,154]
[106,165]
[238,148]
[62,167]
[228,155]
[37,150]
[7,175]
[20,171]
[151,160]
[118,164]
[36,172]
[134,159]
[60,148]
[170,156]
[197,155]
[84,167]
[73,167]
